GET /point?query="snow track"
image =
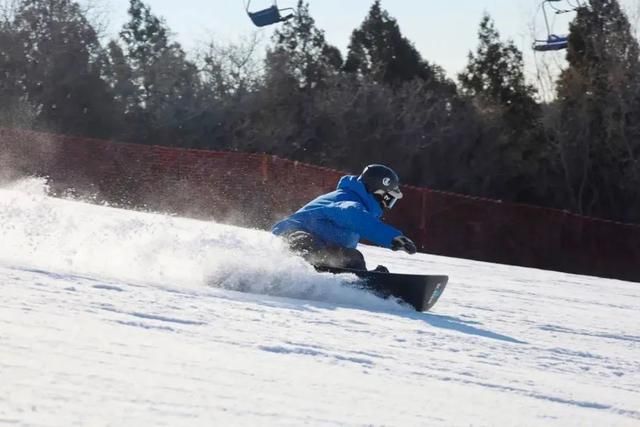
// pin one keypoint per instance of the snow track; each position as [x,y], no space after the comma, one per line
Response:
[112,317]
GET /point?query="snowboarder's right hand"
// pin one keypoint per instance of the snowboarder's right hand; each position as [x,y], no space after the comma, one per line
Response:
[403,243]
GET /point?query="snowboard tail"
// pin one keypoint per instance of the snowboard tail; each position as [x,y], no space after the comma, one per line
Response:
[419,291]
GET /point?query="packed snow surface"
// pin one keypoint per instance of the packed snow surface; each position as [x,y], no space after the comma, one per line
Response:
[114,317]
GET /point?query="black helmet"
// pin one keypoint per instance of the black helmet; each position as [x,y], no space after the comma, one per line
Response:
[383,183]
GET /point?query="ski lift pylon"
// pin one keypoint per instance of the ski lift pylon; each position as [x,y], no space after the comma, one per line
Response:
[554,41]
[269,16]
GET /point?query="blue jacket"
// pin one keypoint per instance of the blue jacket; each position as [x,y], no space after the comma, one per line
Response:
[341,217]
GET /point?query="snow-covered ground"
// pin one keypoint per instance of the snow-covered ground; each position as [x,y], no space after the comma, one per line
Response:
[113,317]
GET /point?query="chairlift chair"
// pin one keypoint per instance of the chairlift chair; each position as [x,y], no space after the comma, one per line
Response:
[269,16]
[553,41]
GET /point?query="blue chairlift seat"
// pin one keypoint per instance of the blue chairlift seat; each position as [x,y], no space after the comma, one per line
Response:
[269,16]
[554,42]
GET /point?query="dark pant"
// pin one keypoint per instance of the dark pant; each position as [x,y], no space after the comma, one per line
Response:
[319,254]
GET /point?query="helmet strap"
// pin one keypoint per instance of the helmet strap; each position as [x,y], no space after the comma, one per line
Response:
[380,199]
[387,200]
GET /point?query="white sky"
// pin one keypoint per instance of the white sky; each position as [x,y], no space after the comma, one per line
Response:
[443,31]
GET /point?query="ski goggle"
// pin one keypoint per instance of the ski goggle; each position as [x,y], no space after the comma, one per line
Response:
[390,197]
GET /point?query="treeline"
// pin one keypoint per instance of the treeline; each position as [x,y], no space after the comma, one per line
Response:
[486,134]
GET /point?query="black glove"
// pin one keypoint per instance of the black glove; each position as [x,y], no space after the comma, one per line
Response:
[403,243]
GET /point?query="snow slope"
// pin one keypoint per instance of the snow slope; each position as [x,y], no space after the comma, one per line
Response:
[113,317]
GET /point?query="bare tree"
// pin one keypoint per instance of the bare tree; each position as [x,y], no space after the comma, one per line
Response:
[97,13]
[232,67]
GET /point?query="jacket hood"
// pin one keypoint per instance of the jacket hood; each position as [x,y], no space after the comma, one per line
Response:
[353,184]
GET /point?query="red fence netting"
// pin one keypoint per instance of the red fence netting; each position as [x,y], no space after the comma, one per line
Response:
[256,190]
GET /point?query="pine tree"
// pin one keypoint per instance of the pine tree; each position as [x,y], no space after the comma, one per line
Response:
[379,51]
[152,76]
[599,100]
[12,63]
[510,155]
[495,73]
[59,67]
[301,48]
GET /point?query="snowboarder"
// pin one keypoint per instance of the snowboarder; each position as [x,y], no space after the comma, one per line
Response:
[327,230]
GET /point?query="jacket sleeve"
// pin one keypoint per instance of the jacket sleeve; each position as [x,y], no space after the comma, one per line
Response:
[354,216]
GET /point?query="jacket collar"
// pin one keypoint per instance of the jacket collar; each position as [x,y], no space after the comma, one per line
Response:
[353,184]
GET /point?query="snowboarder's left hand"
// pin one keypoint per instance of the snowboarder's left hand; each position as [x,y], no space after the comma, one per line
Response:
[403,243]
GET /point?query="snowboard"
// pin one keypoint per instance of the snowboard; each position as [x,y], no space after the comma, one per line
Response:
[419,291]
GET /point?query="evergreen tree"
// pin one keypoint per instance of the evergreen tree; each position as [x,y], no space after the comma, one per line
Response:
[301,48]
[379,51]
[510,155]
[119,76]
[599,97]
[159,86]
[11,69]
[58,67]
[495,73]
[299,67]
